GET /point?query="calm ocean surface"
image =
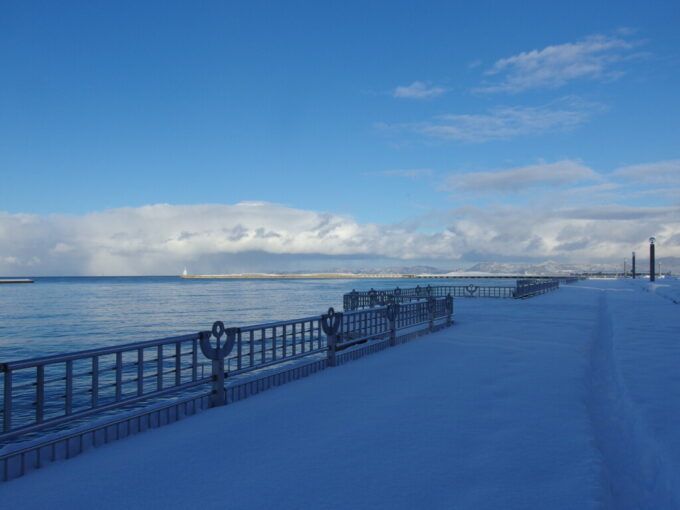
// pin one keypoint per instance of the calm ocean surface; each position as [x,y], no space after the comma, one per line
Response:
[56,315]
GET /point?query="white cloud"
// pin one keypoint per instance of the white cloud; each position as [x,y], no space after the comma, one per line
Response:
[554,66]
[582,235]
[560,173]
[418,90]
[505,122]
[162,239]
[665,173]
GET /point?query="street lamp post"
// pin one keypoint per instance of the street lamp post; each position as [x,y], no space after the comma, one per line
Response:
[633,265]
[652,267]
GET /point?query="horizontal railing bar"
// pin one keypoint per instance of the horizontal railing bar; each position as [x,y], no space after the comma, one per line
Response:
[345,345]
[94,410]
[26,363]
[67,437]
[114,384]
[112,368]
[278,324]
[269,350]
[103,370]
[274,362]
[25,385]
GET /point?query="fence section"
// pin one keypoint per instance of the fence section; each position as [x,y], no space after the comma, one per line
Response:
[45,392]
[266,344]
[528,288]
[42,392]
[356,300]
[346,329]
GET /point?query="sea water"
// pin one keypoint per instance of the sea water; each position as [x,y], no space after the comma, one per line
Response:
[59,315]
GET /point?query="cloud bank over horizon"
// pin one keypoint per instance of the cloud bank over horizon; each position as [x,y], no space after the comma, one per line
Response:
[261,236]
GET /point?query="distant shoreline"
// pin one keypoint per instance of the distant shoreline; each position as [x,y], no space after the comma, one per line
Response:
[341,276]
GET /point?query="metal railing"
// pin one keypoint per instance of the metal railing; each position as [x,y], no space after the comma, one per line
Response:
[44,392]
[346,329]
[356,300]
[262,345]
[528,288]
[569,279]
[47,391]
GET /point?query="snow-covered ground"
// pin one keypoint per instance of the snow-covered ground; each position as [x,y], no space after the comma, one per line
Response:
[570,400]
[666,288]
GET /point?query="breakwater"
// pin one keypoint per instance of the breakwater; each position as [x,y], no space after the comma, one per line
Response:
[353,276]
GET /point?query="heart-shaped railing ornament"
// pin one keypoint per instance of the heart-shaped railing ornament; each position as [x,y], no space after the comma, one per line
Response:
[330,322]
[221,350]
[471,289]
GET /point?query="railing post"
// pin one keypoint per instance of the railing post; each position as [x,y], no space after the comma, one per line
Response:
[430,311]
[449,309]
[7,399]
[354,300]
[331,323]
[392,314]
[372,298]
[217,355]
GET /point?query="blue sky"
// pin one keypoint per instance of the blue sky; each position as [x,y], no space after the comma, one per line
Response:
[436,133]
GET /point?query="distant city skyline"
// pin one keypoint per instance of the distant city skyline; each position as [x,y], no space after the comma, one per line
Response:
[140,138]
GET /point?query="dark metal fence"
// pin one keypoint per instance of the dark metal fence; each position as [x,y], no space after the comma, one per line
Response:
[44,392]
[266,344]
[569,279]
[47,391]
[528,288]
[356,300]
[346,329]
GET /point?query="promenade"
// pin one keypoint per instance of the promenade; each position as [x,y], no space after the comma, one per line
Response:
[570,400]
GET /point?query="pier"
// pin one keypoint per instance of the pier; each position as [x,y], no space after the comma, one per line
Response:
[522,404]
[123,386]
[15,280]
[58,406]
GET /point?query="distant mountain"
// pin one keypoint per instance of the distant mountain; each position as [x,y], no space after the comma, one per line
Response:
[540,268]
[555,268]
[536,268]
[397,270]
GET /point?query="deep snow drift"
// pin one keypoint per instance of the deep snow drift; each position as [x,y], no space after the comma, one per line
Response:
[569,400]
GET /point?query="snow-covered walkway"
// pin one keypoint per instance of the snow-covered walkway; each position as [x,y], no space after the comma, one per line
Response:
[565,401]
